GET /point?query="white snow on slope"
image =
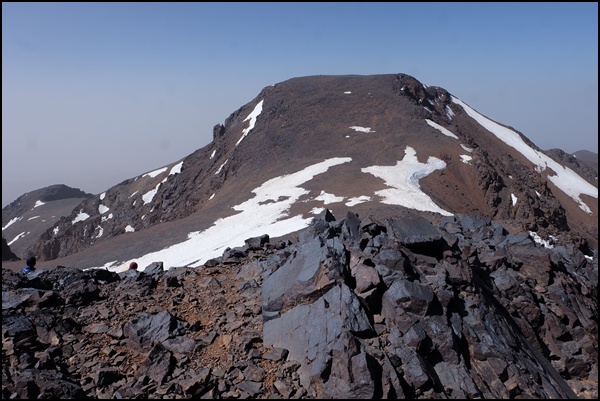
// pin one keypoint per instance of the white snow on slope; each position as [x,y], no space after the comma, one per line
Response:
[449,113]
[327,198]
[148,196]
[256,217]
[441,129]
[16,238]
[155,172]
[268,211]
[176,169]
[539,240]
[80,217]
[404,179]
[361,129]
[11,222]
[252,117]
[357,199]
[564,178]
[221,167]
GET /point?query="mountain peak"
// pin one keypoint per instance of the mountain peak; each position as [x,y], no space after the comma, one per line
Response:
[466,265]
[372,144]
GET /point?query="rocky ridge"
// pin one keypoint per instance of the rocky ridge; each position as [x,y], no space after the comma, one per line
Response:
[351,308]
[369,121]
[26,218]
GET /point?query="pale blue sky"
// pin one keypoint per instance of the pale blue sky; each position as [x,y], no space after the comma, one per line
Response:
[95,93]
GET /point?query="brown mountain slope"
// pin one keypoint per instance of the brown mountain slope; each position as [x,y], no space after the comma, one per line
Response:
[381,144]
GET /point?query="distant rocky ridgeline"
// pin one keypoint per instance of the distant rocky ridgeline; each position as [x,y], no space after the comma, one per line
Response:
[32,213]
[46,194]
[583,161]
[398,308]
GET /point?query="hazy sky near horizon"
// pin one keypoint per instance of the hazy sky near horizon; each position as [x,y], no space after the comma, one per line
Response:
[96,93]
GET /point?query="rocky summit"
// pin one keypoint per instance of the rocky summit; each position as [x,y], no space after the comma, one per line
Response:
[373,145]
[398,308]
[340,237]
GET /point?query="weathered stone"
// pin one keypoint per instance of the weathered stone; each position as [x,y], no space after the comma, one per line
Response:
[316,319]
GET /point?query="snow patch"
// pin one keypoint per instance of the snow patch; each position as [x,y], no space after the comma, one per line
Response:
[564,178]
[403,178]
[80,217]
[148,196]
[176,169]
[11,222]
[155,172]
[361,129]
[357,199]
[328,198]
[266,213]
[16,238]
[252,117]
[441,129]
[466,159]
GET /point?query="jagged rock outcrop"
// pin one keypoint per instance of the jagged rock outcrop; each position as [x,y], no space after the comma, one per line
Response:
[352,308]
[7,254]
[584,161]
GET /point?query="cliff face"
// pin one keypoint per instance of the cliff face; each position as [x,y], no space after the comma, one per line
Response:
[351,308]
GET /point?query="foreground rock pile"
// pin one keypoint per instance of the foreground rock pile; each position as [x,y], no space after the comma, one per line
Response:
[353,309]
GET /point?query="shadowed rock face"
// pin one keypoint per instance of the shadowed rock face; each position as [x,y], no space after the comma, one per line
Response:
[7,253]
[399,145]
[351,308]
